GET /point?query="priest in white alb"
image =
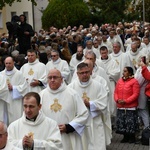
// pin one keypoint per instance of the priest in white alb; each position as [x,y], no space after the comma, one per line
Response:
[4,98]
[61,65]
[34,131]
[65,106]
[17,86]
[34,72]
[94,96]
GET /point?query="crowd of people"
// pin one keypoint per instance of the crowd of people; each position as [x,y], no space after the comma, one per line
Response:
[69,88]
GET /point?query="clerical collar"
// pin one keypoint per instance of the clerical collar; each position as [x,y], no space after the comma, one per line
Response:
[9,72]
[116,55]
[57,61]
[84,83]
[134,53]
[104,58]
[32,120]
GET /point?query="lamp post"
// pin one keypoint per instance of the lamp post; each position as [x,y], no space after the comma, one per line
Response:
[143,11]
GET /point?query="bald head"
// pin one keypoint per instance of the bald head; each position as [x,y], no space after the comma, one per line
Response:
[9,63]
[54,79]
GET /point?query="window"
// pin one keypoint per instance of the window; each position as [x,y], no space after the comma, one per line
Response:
[26,14]
[13,14]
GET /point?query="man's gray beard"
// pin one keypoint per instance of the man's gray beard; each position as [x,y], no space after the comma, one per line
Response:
[79,57]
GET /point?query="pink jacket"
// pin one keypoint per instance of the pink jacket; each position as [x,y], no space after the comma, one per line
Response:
[146,75]
[127,90]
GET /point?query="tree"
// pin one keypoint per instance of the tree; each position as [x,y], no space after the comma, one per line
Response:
[108,11]
[10,2]
[137,8]
[61,13]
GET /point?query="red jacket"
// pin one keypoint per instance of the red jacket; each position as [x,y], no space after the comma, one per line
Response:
[146,75]
[127,90]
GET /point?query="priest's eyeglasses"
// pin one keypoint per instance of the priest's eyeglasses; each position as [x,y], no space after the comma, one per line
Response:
[82,73]
[54,55]
[1,134]
[53,77]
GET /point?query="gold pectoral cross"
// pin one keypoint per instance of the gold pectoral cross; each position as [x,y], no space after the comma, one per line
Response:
[85,96]
[31,72]
[134,62]
[8,81]
[30,134]
[117,61]
[56,106]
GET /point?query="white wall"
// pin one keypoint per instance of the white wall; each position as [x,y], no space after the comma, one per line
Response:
[41,5]
[19,8]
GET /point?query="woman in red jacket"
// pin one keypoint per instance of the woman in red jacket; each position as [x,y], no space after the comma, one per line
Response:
[126,97]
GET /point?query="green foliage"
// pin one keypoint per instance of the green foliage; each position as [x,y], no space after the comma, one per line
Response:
[61,13]
[139,10]
[108,11]
[10,2]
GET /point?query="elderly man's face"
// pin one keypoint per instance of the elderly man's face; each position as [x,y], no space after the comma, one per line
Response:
[54,79]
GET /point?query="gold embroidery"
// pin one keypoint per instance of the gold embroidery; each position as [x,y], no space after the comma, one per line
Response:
[134,62]
[30,134]
[56,106]
[31,72]
[117,61]
[8,81]
[85,96]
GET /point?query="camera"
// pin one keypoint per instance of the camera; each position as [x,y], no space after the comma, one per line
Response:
[13,28]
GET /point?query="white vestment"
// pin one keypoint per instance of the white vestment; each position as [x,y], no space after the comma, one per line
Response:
[4,98]
[10,146]
[94,134]
[113,71]
[46,134]
[66,107]
[134,57]
[60,65]
[19,84]
[123,60]
[106,118]
[73,63]
[109,46]
[35,70]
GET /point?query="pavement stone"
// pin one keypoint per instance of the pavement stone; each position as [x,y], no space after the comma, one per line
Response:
[116,145]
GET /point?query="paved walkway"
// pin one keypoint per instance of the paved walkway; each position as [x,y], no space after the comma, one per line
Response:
[116,145]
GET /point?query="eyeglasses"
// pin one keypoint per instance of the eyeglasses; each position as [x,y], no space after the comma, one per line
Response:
[2,134]
[82,73]
[53,77]
[54,55]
